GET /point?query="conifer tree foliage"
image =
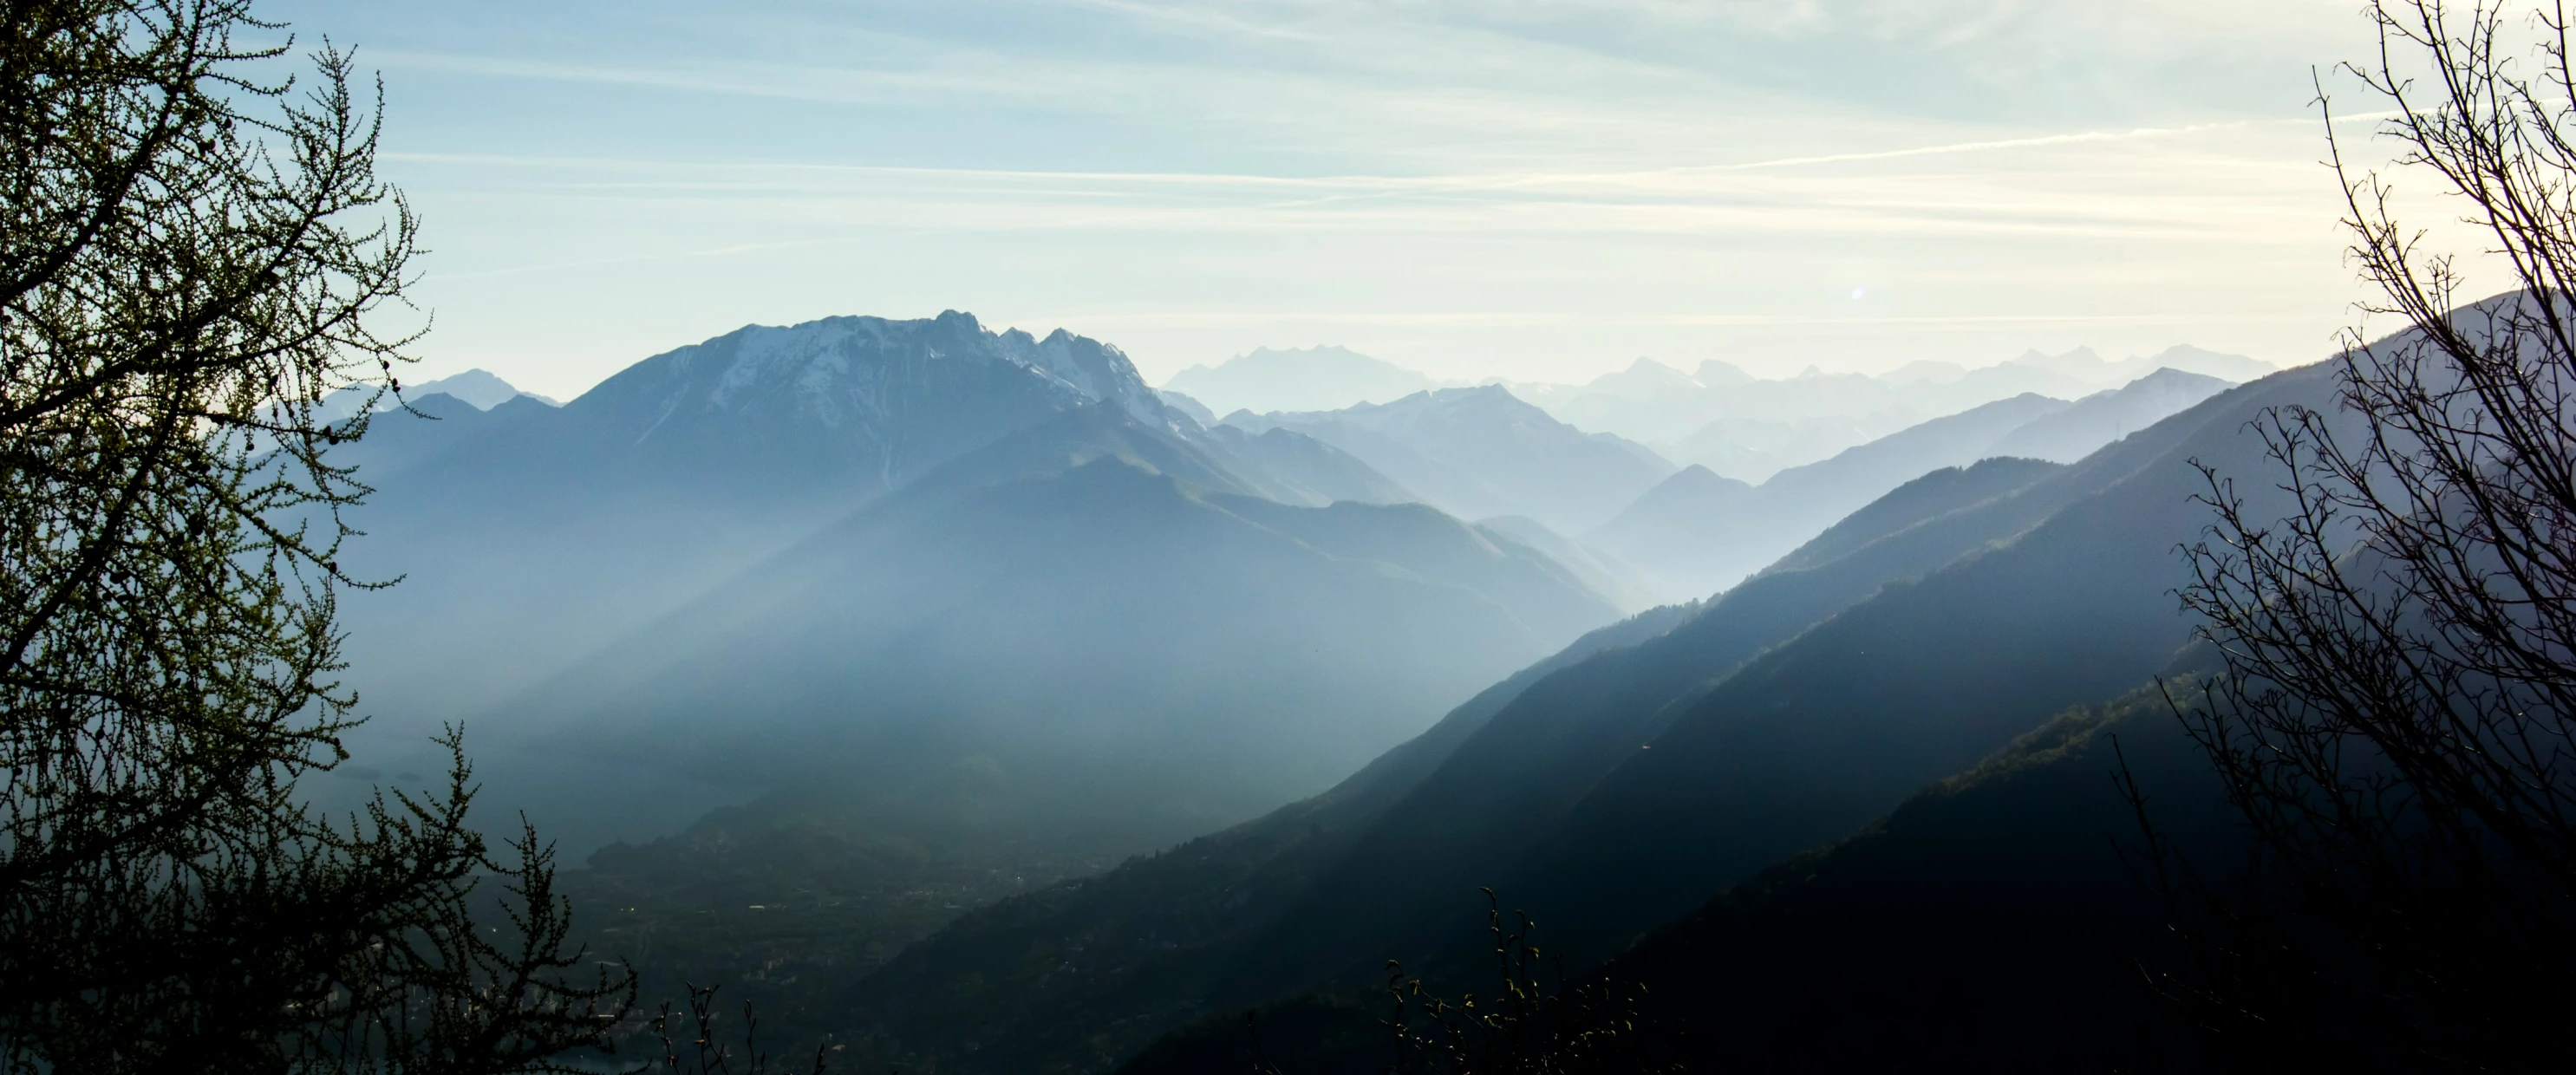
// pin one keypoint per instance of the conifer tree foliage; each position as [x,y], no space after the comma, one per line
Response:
[2393,720]
[194,250]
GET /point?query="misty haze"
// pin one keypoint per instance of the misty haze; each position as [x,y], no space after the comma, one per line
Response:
[1284,538]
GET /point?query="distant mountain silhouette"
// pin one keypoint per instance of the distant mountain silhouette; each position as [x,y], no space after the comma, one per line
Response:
[1298,379]
[480,389]
[1648,401]
[2106,416]
[1738,425]
[2083,365]
[1699,533]
[1749,428]
[1475,452]
[1678,524]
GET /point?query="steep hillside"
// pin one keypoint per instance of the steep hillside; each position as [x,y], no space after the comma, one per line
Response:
[1080,642]
[1608,807]
[1202,926]
[830,634]
[1989,922]
[1913,503]
[1074,976]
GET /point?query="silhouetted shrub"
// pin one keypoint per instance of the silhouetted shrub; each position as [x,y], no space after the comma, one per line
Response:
[1533,1021]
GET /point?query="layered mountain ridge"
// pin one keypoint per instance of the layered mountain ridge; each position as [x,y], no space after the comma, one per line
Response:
[1697,533]
[850,611]
[944,621]
[1614,787]
[1318,378]
[1717,415]
[1481,451]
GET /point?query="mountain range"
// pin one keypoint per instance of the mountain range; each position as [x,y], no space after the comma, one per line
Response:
[1477,452]
[1135,647]
[1697,533]
[1717,416]
[482,389]
[860,546]
[1957,628]
[864,651]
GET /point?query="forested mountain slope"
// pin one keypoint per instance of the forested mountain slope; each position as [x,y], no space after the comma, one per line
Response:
[1818,736]
[1635,817]
[2000,920]
[1201,925]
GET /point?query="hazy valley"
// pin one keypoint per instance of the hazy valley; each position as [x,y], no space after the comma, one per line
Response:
[870,650]
[502,571]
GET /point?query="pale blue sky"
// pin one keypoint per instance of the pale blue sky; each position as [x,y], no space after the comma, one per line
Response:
[1535,189]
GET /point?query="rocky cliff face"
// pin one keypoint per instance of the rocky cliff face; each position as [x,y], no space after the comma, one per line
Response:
[860,398]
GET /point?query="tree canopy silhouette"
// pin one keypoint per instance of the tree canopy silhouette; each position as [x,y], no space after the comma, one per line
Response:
[194,250]
[2392,717]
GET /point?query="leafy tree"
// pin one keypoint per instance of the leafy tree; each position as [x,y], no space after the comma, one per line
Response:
[2394,715]
[193,252]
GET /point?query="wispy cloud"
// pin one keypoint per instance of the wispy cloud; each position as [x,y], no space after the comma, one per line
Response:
[1666,177]
[1199,18]
[849,85]
[1539,177]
